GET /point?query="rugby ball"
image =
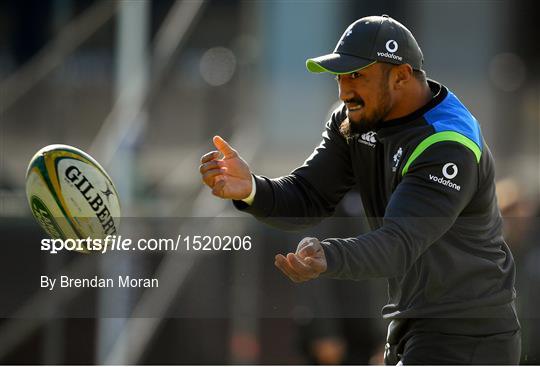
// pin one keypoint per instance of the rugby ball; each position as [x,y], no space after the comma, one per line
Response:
[71,195]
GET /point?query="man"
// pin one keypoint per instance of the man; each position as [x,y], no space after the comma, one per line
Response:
[427,183]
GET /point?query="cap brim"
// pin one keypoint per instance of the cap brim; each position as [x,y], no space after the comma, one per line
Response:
[337,64]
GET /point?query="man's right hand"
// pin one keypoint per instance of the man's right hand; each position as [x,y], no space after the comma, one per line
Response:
[229,177]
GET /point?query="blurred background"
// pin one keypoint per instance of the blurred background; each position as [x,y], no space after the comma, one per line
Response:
[144,85]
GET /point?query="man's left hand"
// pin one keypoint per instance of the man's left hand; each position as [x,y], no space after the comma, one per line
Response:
[307,263]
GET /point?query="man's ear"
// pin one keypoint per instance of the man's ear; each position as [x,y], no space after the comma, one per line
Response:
[402,75]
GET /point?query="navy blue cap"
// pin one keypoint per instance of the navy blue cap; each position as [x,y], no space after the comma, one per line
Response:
[366,41]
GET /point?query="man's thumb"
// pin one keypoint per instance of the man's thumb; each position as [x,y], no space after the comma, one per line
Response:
[224,147]
[307,248]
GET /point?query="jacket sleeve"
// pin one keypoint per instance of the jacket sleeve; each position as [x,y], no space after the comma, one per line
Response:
[311,191]
[425,204]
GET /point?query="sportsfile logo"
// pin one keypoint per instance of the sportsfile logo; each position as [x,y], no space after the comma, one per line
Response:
[368,139]
[391,46]
[449,171]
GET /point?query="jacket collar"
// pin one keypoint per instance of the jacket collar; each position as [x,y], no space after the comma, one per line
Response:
[439,94]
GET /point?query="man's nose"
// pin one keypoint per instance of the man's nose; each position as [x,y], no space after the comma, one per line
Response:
[345,92]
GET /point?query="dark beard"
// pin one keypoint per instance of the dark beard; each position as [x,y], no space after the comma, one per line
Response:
[350,129]
[353,129]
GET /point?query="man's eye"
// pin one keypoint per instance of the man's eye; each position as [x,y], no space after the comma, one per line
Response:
[353,75]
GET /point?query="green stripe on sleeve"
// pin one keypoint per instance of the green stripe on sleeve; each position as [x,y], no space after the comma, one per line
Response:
[438,137]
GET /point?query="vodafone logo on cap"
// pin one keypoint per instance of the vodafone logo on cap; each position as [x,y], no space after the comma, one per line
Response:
[391,46]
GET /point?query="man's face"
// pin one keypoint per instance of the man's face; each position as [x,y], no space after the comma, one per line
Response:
[366,93]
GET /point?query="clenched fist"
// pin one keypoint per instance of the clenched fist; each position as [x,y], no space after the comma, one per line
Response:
[225,172]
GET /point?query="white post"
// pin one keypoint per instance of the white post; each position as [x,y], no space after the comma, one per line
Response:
[132,80]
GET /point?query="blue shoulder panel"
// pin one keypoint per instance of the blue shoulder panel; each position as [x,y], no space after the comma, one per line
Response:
[452,115]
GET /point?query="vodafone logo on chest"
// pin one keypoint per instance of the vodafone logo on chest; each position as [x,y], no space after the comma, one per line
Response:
[449,170]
